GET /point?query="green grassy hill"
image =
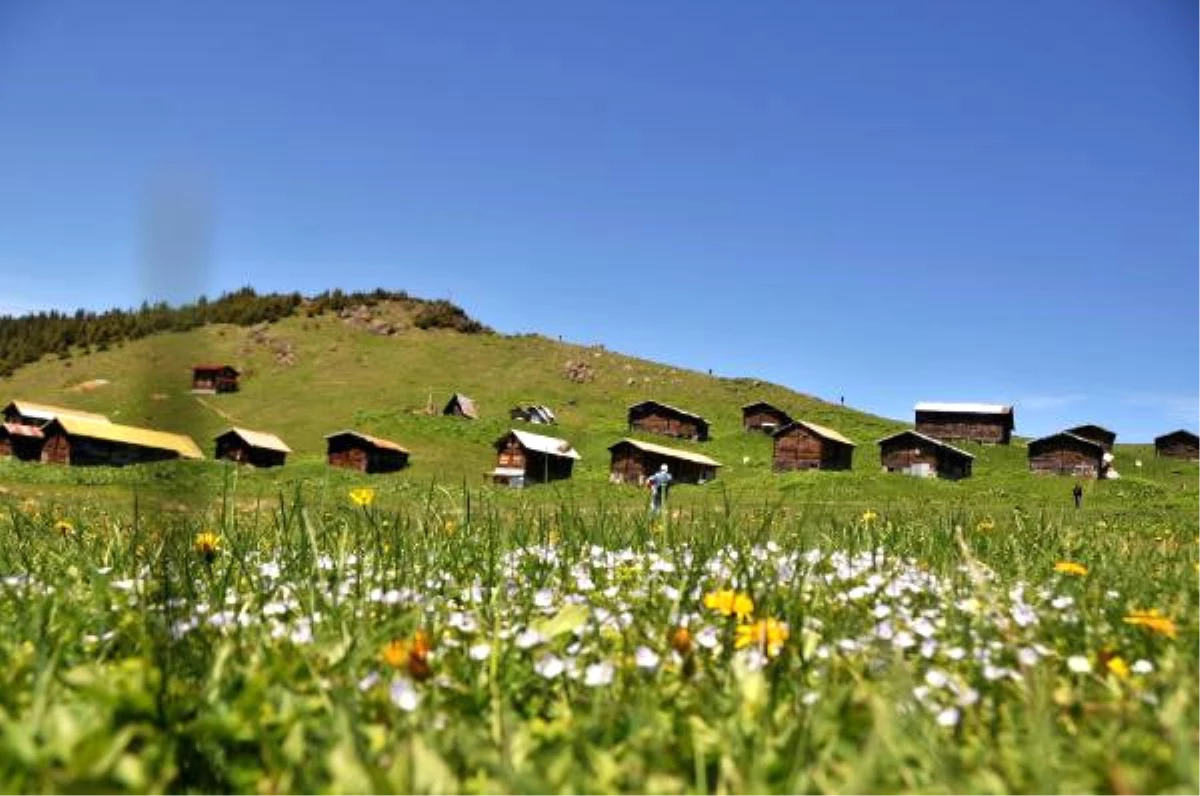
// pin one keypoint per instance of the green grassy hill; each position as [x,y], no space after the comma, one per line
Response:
[306,377]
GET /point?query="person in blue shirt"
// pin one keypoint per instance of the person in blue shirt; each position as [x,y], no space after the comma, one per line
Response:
[659,482]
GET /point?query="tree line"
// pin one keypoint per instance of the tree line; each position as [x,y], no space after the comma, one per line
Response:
[28,338]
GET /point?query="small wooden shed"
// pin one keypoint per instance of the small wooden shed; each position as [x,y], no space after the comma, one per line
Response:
[1181,444]
[991,423]
[75,441]
[256,448]
[533,413]
[914,453]
[1095,433]
[21,442]
[1067,453]
[357,451]
[802,445]
[764,417]
[460,405]
[214,378]
[634,460]
[671,421]
[27,413]
[523,457]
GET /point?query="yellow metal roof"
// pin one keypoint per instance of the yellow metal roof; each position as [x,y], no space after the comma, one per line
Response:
[259,439]
[131,435]
[47,412]
[663,450]
[821,431]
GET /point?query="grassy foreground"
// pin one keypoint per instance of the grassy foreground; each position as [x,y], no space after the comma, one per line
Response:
[431,639]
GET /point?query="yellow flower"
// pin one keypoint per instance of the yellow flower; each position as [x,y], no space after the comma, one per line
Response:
[413,655]
[450,526]
[1070,568]
[394,653]
[362,496]
[986,524]
[768,635]
[727,602]
[1153,620]
[1117,666]
[207,544]
[869,516]
[64,528]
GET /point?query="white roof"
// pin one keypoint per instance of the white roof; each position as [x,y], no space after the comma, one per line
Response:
[968,408]
[674,453]
[47,412]
[260,439]
[928,439]
[543,444]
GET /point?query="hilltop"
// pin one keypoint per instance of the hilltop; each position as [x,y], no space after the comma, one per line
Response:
[369,365]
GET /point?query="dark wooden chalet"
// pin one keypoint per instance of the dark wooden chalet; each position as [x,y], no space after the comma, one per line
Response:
[992,423]
[73,441]
[633,461]
[357,451]
[1066,453]
[914,453]
[801,445]
[460,405]
[28,413]
[1095,433]
[21,442]
[214,378]
[762,416]
[256,448]
[522,457]
[1181,444]
[670,421]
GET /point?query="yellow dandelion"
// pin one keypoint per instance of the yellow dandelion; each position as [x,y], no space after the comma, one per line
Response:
[869,517]
[728,602]
[1070,568]
[768,635]
[207,544]
[362,496]
[64,528]
[394,653]
[1153,620]
[985,525]
[1117,666]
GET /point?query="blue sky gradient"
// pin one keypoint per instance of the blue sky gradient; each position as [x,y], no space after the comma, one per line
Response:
[885,201]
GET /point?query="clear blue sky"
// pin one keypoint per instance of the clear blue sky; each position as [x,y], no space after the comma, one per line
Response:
[983,201]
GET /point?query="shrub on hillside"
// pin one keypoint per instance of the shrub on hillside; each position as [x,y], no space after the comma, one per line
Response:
[441,314]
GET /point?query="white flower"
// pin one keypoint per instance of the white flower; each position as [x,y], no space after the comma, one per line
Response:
[479,652]
[528,638]
[544,598]
[936,678]
[274,608]
[404,694]
[948,717]
[269,570]
[707,638]
[302,634]
[968,696]
[1027,656]
[1142,666]
[991,673]
[754,658]
[956,653]
[368,682]
[1079,664]
[923,628]
[549,666]
[646,658]
[904,640]
[881,610]
[810,697]
[598,674]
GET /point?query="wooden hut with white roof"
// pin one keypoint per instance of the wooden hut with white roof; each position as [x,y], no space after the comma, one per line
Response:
[990,423]
[523,457]
[257,448]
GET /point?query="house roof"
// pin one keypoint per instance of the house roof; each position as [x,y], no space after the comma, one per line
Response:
[258,439]
[1091,428]
[1091,443]
[767,404]
[925,438]
[675,409]
[46,412]
[376,441]
[22,430]
[820,431]
[211,366]
[130,435]
[465,404]
[552,446]
[663,450]
[1180,432]
[964,408]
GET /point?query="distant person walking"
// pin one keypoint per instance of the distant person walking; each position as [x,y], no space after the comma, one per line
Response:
[1077,493]
[659,483]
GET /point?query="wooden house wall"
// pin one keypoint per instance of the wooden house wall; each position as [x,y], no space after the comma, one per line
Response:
[1177,447]
[902,454]
[631,466]
[1065,457]
[237,450]
[659,421]
[511,454]
[56,449]
[215,380]
[800,449]
[355,454]
[542,467]
[952,426]
[754,419]
[84,451]
[22,448]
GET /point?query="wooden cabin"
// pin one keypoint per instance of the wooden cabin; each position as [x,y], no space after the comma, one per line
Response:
[914,453]
[460,405]
[522,457]
[762,416]
[357,451]
[73,441]
[1181,444]
[1097,434]
[670,421]
[1066,453]
[22,442]
[801,445]
[533,413]
[27,413]
[256,448]
[214,378]
[633,461]
[990,423]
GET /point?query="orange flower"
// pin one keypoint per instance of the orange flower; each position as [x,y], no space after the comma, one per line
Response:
[1153,620]
[413,655]
[681,640]
[1070,568]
